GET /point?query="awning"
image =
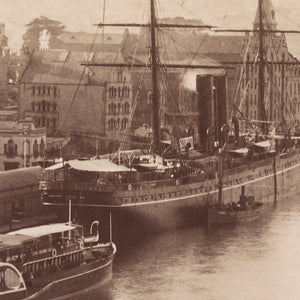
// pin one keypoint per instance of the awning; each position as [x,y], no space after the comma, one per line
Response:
[98,165]
[240,151]
[55,167]
[8,241]
[38,231]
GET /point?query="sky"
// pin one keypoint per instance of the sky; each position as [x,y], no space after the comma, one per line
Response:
[80,15]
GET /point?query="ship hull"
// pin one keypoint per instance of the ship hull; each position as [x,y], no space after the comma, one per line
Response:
[166,207]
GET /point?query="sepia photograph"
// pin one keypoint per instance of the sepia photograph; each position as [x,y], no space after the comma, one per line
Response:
[149,149]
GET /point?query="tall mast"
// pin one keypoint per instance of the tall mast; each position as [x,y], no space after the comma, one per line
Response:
[155,92]
[261,71]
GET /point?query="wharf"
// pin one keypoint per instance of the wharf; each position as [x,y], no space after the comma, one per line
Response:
[45,218]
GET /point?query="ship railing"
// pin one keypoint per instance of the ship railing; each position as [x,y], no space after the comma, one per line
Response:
[53,261]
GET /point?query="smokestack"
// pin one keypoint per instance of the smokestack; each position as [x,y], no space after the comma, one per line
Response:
[220,83]
[204,86]
[212,108]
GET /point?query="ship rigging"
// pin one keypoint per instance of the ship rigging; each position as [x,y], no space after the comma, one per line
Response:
[152,191]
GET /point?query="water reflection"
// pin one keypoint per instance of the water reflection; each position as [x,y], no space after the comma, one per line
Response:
[254,261]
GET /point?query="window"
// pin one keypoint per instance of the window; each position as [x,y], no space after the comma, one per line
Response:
[124,124]
[33,90]
[54,106]
[35,149]
[120,75]
[111,124]
[32,106]
[149,97]
[126,107]
[42,148]
[54,92]
[110,92]
[10,149]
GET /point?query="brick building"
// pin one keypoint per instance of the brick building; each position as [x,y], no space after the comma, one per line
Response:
[61,95]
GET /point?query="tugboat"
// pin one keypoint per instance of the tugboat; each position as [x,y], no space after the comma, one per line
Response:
[49,261]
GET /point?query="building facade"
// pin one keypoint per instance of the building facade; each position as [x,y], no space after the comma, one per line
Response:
[118,103]
[281,76]
[61,94]
[22,145]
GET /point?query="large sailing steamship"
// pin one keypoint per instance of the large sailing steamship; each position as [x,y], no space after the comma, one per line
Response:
[158,191]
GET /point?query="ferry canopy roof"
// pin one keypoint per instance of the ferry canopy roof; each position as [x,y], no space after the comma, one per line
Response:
[38,231]
[97,165]
[8,241]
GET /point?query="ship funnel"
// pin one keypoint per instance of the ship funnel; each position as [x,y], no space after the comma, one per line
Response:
[212,108]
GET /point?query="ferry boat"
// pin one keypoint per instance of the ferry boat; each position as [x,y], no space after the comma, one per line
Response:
[154,191]
[49,261]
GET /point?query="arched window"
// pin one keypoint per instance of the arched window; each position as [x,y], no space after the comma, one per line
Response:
[111,109]
[42,148]
[111,124]
[126,107]
[124,124]
[43,105]
[10,149]
[35,149]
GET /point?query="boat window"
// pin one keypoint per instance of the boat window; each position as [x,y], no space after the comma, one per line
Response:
[44,242]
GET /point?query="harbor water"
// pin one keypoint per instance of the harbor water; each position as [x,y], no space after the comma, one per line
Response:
[258,260]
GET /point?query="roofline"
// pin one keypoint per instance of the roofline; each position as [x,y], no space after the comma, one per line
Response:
[55,83]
